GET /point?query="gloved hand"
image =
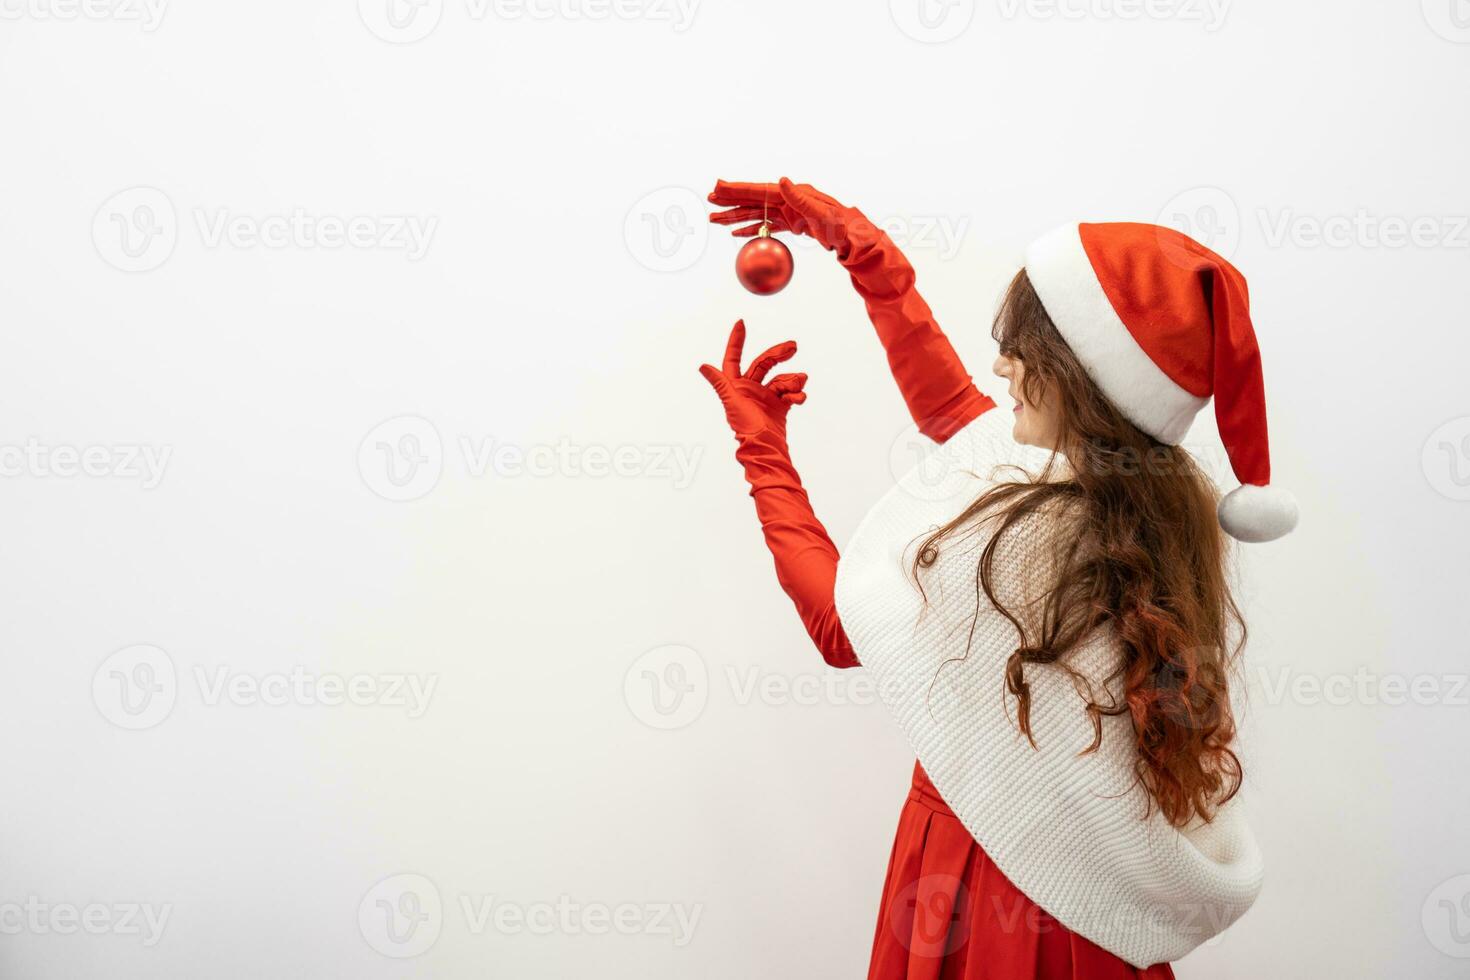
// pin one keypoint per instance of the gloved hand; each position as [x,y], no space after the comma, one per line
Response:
[806,558]
[939,392]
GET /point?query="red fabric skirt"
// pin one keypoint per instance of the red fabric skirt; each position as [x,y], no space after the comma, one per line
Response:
[949,914]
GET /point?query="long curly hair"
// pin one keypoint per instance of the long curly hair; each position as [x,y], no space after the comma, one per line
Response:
[1143,554]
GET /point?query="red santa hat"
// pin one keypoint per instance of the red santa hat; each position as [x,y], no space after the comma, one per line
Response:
[1162,324]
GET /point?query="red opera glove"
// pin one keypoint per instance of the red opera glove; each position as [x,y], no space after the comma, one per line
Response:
[939,392]
[806,558]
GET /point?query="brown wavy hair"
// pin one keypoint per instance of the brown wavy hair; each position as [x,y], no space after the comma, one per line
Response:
[1142,553]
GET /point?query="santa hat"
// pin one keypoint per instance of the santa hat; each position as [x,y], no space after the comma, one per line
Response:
[1162,324]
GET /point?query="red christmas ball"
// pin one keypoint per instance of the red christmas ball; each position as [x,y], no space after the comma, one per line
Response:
[764,265]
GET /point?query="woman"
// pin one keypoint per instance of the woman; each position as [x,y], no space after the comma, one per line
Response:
[1043,602]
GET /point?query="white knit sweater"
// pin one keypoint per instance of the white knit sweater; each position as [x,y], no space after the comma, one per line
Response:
[1067,828]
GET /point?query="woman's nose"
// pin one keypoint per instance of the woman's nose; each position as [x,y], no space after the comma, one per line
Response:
[1002,367]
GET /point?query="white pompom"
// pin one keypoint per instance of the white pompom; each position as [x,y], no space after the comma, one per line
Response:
[1255,514]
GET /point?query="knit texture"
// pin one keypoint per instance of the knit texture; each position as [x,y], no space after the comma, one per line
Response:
[1073,831]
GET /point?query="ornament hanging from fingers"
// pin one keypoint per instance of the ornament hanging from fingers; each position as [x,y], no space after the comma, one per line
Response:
[764,264]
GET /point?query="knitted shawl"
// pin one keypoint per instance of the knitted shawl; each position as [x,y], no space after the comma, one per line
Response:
[1072,829]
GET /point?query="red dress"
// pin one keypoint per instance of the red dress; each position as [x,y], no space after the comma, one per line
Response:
[948,913]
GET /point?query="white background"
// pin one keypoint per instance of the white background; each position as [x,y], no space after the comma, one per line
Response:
[566,295]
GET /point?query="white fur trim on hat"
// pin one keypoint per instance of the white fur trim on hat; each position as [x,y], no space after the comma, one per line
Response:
[1254,514]
[1064,279]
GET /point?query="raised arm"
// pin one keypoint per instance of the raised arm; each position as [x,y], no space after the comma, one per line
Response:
[938,390]
[806,558]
